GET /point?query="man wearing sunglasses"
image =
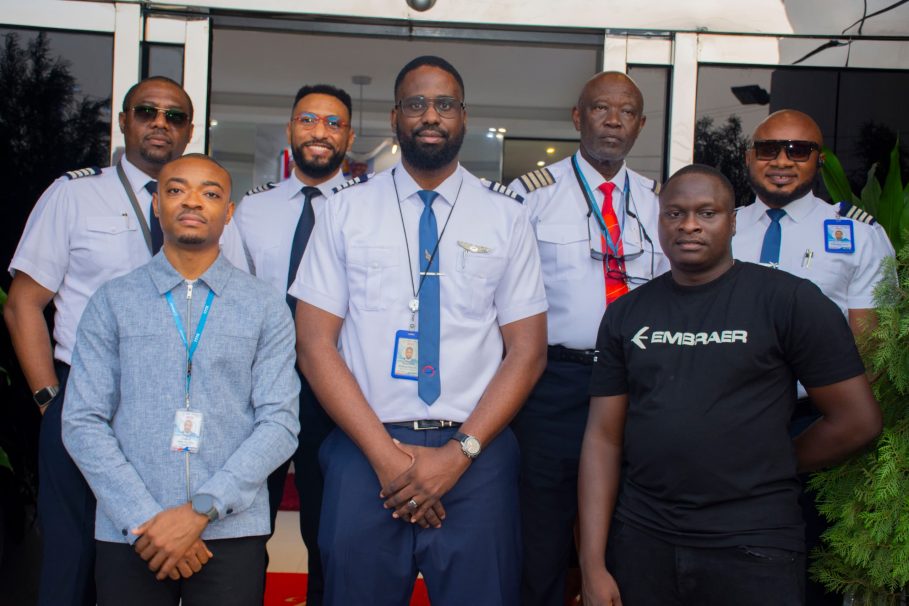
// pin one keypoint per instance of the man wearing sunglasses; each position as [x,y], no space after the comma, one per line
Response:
[789,228]
[89,226]
[275,222]
[591,254]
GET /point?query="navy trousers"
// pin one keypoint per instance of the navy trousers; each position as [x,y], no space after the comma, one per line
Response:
[315,425]
[371,559]
[66,515]
[550,428]
[651,572]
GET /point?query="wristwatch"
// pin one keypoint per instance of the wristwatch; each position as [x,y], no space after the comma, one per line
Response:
[45,395]
[470,446]
[205,504]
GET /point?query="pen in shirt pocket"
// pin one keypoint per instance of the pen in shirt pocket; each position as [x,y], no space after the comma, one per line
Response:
[806,260]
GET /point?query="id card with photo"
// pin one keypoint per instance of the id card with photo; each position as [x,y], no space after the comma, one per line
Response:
[187,431]
[404,362]
[839,236]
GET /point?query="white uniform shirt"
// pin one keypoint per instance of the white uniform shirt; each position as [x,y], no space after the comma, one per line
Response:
[565,232]
[356,267]
[846,278]
[267,221]
[81,233]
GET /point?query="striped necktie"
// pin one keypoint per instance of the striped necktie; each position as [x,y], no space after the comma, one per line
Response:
[613,269]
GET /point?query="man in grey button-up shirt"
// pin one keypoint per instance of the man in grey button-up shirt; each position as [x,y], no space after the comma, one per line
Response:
[173,498]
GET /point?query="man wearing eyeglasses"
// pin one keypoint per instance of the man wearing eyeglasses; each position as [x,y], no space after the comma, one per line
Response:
[89,226]
[421,474]
[591,254]
[275,222]
[789,228]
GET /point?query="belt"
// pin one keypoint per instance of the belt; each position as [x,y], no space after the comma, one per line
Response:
[425,424]
[579,356]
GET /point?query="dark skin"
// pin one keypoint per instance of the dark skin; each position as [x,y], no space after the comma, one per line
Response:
[411,472]
[319,145]
[851,417]
[610,116]
[149,146]
[786,180]
[194,205]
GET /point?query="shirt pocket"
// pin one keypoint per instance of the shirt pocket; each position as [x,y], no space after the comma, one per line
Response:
[564,250]
[369,273]
[479,275]
[107,239]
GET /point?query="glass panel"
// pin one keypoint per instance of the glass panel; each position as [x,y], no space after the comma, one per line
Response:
[647,155]
[163,60]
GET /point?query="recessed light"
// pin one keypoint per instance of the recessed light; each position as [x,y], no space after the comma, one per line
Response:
[492,129]
[213,122]
[503,130]
[550,150]
[541,163]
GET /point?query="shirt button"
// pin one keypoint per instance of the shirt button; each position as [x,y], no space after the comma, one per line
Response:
[230,511]
[124,532]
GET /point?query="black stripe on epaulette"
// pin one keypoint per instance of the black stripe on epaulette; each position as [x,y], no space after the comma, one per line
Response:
[851,211]
[351,183]
[536,179]
[656,187]
[258,189]
[83,172]
[501,189]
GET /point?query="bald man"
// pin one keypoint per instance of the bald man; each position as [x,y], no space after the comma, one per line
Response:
[183,515]
[591,253]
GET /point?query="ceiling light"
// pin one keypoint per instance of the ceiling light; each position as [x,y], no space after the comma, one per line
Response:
[550,150]
[213,122]
[503,130]
[394,149]
[541,163]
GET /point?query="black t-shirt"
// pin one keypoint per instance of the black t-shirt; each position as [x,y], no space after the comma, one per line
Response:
[710,372]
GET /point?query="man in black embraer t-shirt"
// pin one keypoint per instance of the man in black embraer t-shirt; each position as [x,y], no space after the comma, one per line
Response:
[691,399]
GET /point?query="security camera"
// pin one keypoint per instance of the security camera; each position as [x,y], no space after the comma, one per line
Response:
[421,5]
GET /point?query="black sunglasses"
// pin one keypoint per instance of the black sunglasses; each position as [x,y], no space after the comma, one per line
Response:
[147,113]
[797,151]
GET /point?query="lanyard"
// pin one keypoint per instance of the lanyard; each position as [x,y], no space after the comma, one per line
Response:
[190,348]
[135,204]
[592,206]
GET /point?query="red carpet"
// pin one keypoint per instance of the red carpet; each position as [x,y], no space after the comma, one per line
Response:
[289,589]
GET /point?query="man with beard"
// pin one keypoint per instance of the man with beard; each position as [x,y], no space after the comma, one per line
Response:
[789,228]
[586,267]
[421,474]
[275,222]
[89,226]
[687,442]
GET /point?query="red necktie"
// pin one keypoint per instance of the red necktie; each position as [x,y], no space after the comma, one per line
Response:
[613,270]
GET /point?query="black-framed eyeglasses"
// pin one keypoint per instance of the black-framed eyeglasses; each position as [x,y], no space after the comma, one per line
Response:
[414,107]
[605,257]
[797,151]
[308,121]
[149,113]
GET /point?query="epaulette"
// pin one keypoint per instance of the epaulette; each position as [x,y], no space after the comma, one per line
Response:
[258,189]
[656,187]
[851,211]
[351,183]
[501,189]
[536,179]
[83,172]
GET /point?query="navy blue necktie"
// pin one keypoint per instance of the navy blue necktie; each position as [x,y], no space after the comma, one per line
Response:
[154,226]
[305,224]
[770,251]
[429,385]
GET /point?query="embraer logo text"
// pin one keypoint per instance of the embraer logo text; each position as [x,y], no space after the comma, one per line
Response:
[688,338]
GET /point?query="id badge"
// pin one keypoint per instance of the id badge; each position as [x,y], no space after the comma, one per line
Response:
[187,431]
[839,236]
[404,363]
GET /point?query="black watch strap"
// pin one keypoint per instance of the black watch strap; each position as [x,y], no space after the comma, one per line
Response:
[45,395]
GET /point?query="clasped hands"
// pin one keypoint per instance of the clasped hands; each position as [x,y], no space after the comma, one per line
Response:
[170,543]
[415,478]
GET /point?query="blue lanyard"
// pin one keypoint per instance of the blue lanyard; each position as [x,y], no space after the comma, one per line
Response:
[190,349]
[595,209]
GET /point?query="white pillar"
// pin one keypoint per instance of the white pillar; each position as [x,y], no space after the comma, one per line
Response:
[682,100]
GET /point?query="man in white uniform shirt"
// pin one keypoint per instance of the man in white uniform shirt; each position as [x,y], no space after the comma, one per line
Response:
[422,473]
[585,267]
[275,222]
[89,226]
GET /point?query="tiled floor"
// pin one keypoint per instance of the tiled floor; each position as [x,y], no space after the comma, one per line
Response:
[286,551]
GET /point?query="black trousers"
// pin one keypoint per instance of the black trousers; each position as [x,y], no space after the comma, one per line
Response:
[549,429]
[232,577]
[315,425]
[66,514]
[651,572]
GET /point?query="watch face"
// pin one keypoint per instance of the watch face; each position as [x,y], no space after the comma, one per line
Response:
[471,446]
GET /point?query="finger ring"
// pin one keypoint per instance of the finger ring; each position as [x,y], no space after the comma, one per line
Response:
[412,505]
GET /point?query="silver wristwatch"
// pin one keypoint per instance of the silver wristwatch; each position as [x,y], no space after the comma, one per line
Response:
[470,446]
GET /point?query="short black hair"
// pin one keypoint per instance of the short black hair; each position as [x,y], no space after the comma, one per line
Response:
[431,61]
[128,97]
[325,89]
[708,171]
[199,156]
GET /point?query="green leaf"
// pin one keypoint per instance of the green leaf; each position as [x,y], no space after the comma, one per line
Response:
[835,179]
[890,208]
[871,193]
[4,460]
